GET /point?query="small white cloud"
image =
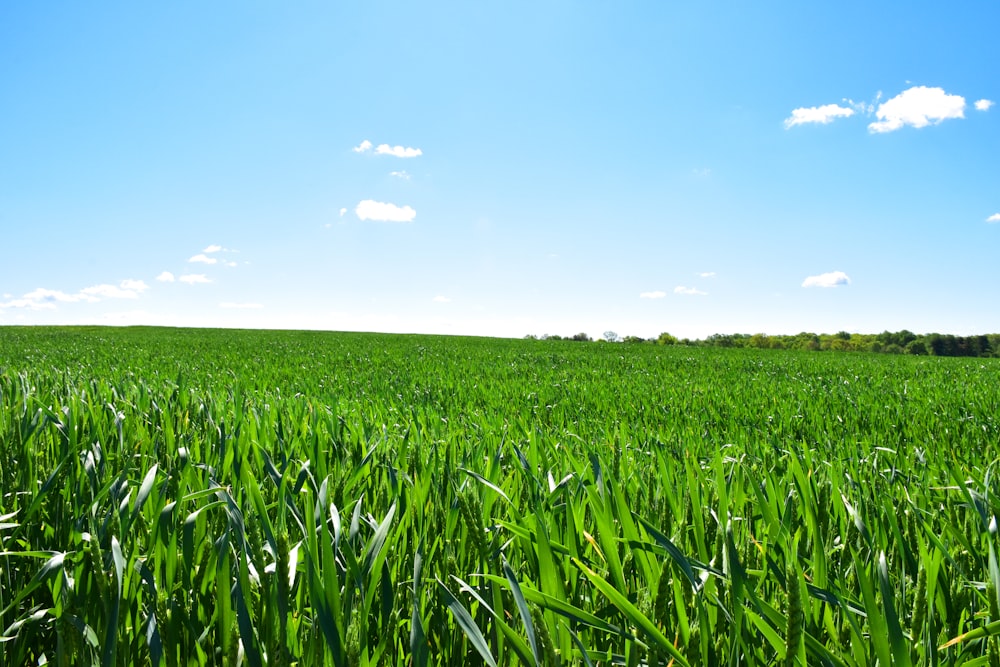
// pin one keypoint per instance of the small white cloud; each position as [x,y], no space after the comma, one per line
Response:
[398,151]
[919,106]
[230,264]
[110,292]
[52,296]
[707,274]
[441,299]
[822,115]
[28,304]
[343,212]
[137,286]
[652,295]
[43,299]
[983,105]
[240,306]
[203,259]
[831,279]
[192,278]
[693,291]
[702,172]
[165,277]
[212,248]
[376,210]
[363,147]
[994,218]
[400,174]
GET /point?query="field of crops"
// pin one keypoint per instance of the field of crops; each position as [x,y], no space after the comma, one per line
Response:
[186,497]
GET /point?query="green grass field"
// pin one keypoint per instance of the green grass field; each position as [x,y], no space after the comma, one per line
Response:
[185,497]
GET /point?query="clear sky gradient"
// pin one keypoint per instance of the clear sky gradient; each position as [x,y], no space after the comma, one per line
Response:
[502,168]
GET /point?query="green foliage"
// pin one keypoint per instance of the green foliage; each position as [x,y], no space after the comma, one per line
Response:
[200,497]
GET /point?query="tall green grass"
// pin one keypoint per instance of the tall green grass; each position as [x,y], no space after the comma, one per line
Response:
[179,497]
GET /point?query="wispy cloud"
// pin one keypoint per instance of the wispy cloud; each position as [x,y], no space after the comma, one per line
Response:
[821,115]
[26,304]
[918,106]
[202,259]
[165,277]
[692,291]
[213,248]
[370,209]
[194,278]
[385,149]
[128,289]
[134,285]
[400,174]
[343,212]
[652,295]
[994,218]
[441,299]
[831,279]
[240,306]
[983,105]
[42,298]
[707,274]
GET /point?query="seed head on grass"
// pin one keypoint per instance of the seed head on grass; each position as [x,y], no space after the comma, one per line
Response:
[796,617]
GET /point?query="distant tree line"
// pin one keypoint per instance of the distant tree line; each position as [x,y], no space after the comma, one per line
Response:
[887,342]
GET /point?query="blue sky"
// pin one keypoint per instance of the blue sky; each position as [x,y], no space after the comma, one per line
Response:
[501,168]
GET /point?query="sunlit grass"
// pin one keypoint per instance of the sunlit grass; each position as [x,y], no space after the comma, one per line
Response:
[179,497]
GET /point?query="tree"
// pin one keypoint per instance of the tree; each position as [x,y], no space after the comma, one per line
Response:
[612,337]
[582,337]
[666,339]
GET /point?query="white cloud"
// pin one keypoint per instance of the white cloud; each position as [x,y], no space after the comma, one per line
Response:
[28,303]
[192,278]
[652,295]
[203,259]
[134,285]
[240,306]
[707,274]
[386,149]
[46,299]
[822,115]
[441,299]
[919,106]
[127,289]
[831,279]
[51,296]
[994,218]
[398,151]
[41,299]
[108,292]
[983,105]
[343,212]
[693,291]
[165,277]
[400,174]
[230,264]
[213,248]
[375,210]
